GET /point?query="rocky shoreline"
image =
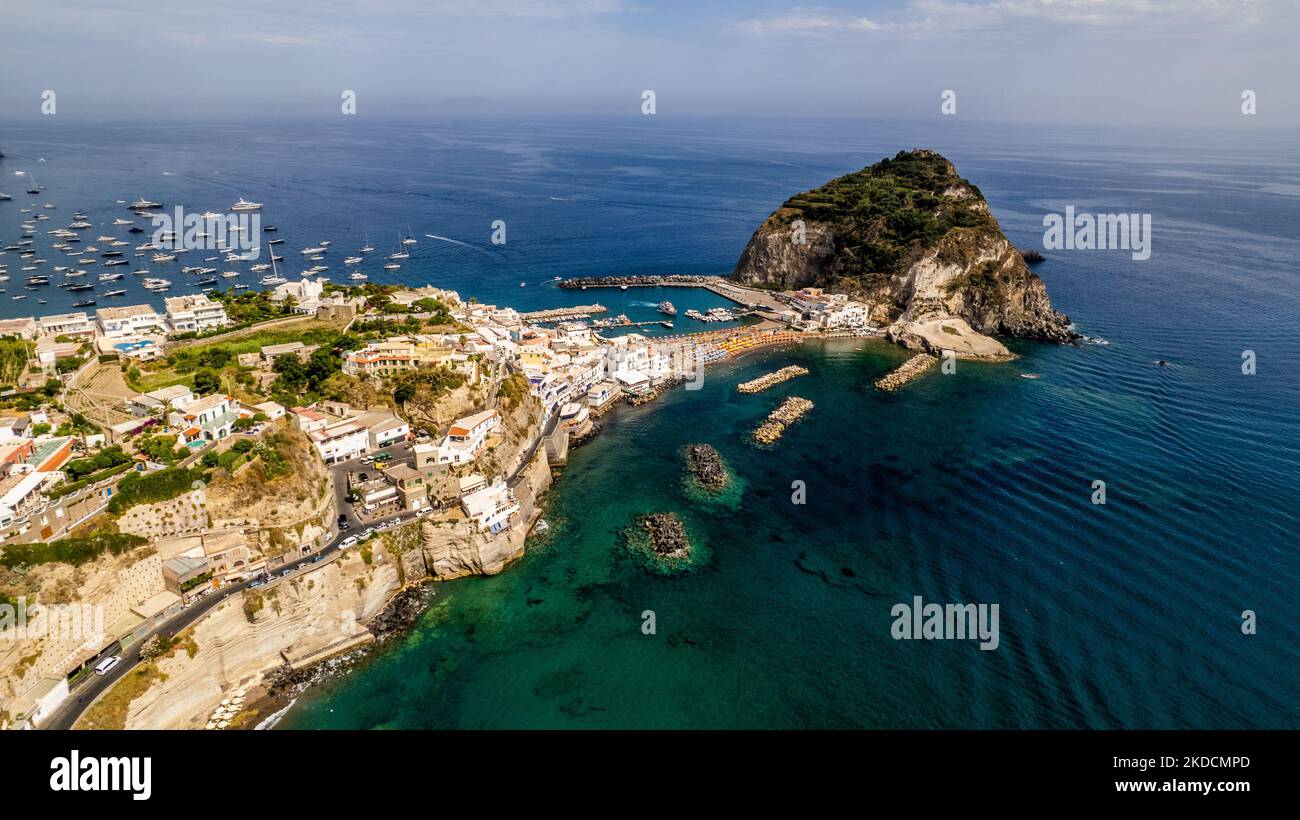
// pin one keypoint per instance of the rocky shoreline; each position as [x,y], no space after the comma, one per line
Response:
[281,685]
[706,465]
[790,411]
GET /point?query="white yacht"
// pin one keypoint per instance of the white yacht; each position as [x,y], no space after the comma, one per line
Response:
[123,222]
[353,260]
[143,204]
[245,206]
[358,275]
[314,251]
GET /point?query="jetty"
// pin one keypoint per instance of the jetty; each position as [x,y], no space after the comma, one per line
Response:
[790,411]
[763,382]
[909,370]
[560,314]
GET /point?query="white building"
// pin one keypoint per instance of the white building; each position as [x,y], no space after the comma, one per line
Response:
[210,418]
[466,437]
[67,324]
[341,441]
[164,399]
[491,507]
[195,312]
[130,320]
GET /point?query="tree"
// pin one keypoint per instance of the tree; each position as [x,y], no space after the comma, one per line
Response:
[404,393]
[206,382]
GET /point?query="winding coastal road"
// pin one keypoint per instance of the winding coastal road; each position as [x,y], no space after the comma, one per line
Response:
[83,696]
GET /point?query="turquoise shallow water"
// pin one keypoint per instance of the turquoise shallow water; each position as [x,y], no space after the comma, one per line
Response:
[971,487]
[968,487]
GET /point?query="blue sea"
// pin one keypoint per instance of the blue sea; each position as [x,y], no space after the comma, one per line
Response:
[975,487]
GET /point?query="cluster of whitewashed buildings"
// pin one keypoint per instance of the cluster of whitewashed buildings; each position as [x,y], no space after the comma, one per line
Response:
[813,309]
[135,331]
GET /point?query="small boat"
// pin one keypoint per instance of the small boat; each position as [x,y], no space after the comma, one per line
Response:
[667,308]
[84,303]
[313,251]
[271,229]
[358,275]
[115,293]
[353,260]
[243,205]
[4,197]
[79,288]
[392,266]
[135,230]
[123,222]
[143,204]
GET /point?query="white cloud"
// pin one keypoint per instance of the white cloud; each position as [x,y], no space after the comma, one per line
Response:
[807,21]
[967,15]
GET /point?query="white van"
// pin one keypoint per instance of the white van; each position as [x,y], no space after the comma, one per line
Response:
[107,664]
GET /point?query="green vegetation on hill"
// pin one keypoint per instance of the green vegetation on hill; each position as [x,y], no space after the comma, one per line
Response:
[69,550]
[150,488]
[884,216]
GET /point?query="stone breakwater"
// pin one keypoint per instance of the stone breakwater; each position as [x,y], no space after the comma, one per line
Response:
[690,280]
[706,465]
[909,370]
[763,382]
[667,535]
[790,411]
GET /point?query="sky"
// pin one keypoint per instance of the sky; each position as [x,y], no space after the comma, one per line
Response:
[1181,63]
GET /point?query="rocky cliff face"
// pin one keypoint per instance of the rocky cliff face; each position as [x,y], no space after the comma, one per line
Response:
[915,241]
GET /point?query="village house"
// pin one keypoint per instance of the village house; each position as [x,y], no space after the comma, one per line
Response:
[210,418]
[194,312]
[162,400]
[491,508]
[466,436]
[26,328]
[130,320]
[68,324]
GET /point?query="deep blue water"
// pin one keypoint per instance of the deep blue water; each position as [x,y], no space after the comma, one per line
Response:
[971,487]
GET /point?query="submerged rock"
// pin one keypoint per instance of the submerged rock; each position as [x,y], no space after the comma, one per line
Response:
[707,466]
[667,535]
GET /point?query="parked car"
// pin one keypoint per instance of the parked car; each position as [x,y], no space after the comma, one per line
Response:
[344,525]
[286,573]
[106,664]
[318,558]
[351,540]
[256,584]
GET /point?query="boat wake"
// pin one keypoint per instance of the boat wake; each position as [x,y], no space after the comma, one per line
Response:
[458,242]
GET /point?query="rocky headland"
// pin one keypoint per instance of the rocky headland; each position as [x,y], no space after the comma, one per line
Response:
[916,242]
